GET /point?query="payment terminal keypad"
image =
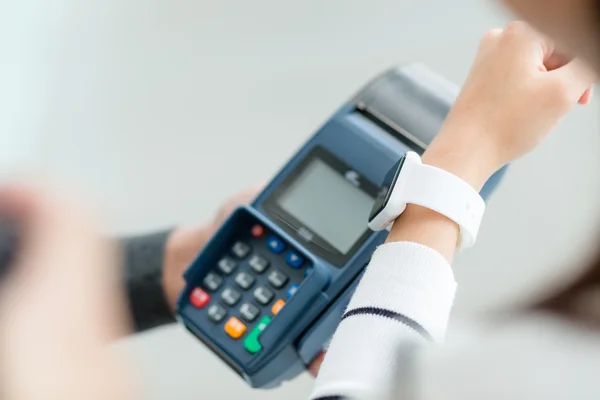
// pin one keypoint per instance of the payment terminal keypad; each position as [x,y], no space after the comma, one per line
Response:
[249,312]
[249,285]
[213,282]
[263,295]
[259,264]
[277,279]
[241,249]
[244,280]
[227,266]
[230,297]
[216,313]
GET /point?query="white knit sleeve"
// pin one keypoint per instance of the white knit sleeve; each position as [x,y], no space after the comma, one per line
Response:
[403,300]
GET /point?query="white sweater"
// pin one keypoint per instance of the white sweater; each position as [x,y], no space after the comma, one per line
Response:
[386,346]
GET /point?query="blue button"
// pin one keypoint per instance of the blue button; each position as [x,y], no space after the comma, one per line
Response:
[275,245]
[292,290]
[308,271]
[294,260]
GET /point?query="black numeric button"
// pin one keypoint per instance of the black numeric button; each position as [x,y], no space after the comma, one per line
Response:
[244,280]
[230,296]
[263,295]
[249,312]
[241,249]
[216,313]
[227,266]
[277,279]
[213,282]
[259,264]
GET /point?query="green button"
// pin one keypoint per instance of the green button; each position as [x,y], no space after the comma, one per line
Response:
[251,344]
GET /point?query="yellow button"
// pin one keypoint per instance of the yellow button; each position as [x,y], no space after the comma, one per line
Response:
[277,307]
[235,328]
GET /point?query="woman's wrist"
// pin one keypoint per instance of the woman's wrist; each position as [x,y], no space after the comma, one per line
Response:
[464,151]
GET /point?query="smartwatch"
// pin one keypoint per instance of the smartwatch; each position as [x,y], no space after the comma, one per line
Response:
[412,182]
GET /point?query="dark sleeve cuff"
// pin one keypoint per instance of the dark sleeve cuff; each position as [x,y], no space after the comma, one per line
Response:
[144,257]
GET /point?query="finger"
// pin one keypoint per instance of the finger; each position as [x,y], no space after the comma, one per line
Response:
[575,78]
[9,243]
[491,36]
[249,195]
[315,365]
[547,46]
[587,96]
[494,33]
[61,259]
[556,61]
[525,38]
[547,49]
[488,42]
[244,198]
[33,217]
[49,226]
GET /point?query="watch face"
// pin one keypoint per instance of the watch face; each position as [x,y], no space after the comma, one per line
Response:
[387,187]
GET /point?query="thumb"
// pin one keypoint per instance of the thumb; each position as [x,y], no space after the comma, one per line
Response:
[574,79]
[315,366]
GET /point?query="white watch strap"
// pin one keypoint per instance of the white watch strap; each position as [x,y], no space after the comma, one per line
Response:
[427,185]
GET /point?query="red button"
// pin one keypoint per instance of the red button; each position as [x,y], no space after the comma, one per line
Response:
[258,231]
[199,298]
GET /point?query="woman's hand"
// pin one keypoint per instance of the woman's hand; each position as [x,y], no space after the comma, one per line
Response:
[516,92]
[60,305]
[518,89]
[184,244]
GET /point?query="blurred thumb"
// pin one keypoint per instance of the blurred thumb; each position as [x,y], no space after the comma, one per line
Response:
[61,258]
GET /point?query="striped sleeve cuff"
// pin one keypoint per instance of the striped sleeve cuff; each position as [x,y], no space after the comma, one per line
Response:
[412,281]
[402,302]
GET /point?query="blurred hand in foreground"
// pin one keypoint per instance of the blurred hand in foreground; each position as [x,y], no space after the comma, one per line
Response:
[60,305]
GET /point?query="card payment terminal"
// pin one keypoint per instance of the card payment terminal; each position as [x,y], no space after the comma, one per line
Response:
[268,290]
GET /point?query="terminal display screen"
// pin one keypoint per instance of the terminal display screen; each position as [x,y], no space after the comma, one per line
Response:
[326,203]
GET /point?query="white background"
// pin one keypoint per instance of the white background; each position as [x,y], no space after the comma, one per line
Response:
[158,110]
